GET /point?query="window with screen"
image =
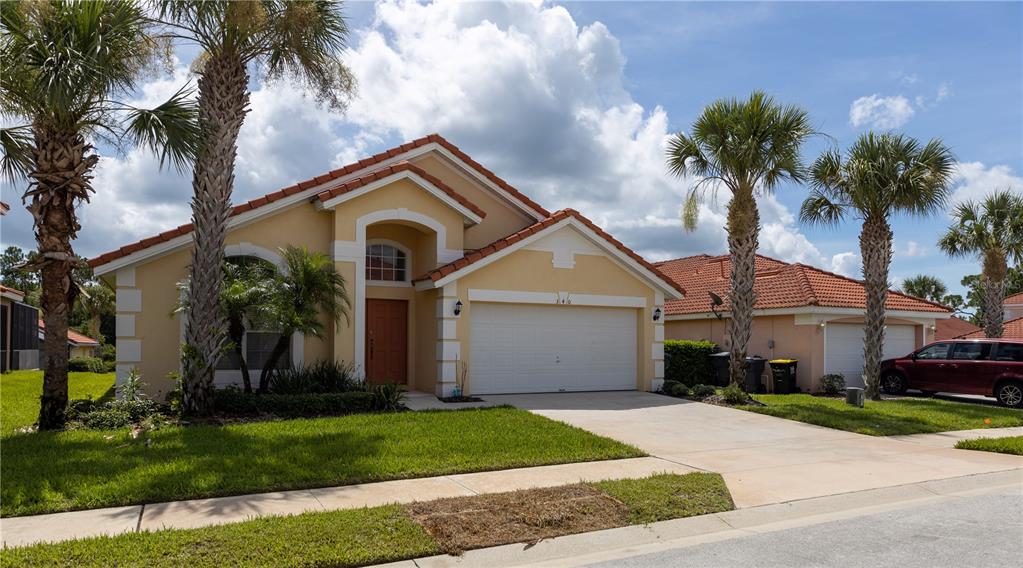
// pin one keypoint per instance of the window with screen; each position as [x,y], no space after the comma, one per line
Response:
[257,346]
[972,351]
[386,263]
[936,351]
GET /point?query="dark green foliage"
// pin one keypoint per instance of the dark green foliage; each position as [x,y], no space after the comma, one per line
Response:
[832,384]
[234,402]
[676,389]
[688,362]
[387,396]
[86,365]
[733,394]
[701,391]
[320,377]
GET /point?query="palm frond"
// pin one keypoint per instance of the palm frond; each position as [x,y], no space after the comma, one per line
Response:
[16,143]
[171,130]
[819,209]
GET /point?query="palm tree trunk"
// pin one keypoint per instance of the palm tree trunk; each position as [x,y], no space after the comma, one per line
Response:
[275,355]
[743,228]
[992,295]
[236,331]
[876,251]
[223,98]
[60,177]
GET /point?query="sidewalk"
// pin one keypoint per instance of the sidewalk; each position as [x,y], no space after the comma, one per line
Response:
[19,531]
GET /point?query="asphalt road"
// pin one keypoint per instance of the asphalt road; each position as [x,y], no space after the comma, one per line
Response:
[977,531]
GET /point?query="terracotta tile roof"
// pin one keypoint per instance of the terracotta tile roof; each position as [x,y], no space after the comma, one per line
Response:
[778,285]
[952,327]
[360,181]
[73,336]
[11,291]
[312,182]
[1014,299]
[1012,329]
[558,216]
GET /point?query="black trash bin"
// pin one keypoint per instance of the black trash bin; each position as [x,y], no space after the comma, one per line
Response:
[754,370]
[720,363]
[783,376]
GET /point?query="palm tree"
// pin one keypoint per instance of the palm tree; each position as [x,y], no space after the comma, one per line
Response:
[243,299]
[62,65]
[925,286]
[881,175]
[749,147]
[308,289]
[301,41]
[992,230]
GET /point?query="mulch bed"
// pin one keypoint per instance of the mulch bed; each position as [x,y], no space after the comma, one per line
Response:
[719,400]
[465,523]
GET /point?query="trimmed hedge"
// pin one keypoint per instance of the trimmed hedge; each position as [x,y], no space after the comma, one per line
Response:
[86,365]
[234,402]
[688,362]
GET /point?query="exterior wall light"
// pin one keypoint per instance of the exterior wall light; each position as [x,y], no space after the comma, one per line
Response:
[657,314]
[823,324]
[458,307]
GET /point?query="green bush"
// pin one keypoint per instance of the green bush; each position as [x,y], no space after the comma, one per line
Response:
[320,377]
[733,394]
[234,402]
[86,365]
[676,389]
[701,391]
[688,362]
[109,353]
[832,384]
[131,407]
[387,396]
[105,419]
[109,366]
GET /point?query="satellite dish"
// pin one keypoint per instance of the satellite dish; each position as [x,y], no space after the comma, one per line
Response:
[715,299]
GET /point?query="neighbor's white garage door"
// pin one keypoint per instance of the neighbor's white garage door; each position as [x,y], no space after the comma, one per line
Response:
[521,348]
[844,351]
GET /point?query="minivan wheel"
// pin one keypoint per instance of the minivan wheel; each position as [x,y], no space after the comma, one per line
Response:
[893,383]
[1010,394]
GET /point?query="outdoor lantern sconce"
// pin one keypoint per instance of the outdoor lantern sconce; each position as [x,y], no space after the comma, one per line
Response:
[657,314]
[458,307]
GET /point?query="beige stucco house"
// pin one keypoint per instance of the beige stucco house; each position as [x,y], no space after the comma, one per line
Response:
[447,264]
[801,312]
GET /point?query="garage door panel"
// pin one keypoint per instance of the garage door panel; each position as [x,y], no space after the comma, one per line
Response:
[844,352]
[519,348]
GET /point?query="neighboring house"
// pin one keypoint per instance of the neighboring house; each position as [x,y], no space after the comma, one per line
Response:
[952,327]
[19,343]
[78,345]
[446,263]
[1011,329]
[1013,306]
[801,312]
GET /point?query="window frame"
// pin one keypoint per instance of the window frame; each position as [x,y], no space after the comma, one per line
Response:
[948,351]
[406,281]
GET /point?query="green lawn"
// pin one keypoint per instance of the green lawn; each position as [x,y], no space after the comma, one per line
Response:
[1010,445]
[20,392]
[353,537]
[57,471]
[889,417]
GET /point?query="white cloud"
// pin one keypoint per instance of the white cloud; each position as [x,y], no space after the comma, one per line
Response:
[974,181]
[847,264]
[880,112]
[943,92]
[915,249]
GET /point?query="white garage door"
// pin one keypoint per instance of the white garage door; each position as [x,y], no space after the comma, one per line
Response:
[844,352]
[519,348]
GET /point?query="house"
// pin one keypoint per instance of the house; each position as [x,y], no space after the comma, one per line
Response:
[1011,329]
[801,312]
[78,345]
[19,343]
[1013,306]
[449,267]
[952,327]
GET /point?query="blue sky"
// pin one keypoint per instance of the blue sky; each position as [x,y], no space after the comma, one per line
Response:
[573,103]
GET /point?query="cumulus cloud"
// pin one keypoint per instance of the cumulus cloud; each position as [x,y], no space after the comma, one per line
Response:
[847,264]
[880,112]
[914,249]
[974,181]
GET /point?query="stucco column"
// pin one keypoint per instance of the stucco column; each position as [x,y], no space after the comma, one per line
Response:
[657,347]
[344,335]
[128,305]
[449,349]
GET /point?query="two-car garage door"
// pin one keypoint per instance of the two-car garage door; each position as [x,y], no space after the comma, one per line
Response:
[844,348]
[519,348]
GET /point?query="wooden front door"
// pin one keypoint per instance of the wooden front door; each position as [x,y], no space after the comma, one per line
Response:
[386,341]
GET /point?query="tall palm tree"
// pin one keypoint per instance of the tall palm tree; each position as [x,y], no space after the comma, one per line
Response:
[308,289]
[301,41]
[748,147]
[880,176]
[61,66]
[925,286]
[992,230]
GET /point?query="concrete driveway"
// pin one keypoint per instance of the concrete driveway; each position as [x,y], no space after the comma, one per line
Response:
[763,459]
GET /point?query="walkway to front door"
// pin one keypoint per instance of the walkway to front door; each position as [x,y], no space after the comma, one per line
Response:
[386,341]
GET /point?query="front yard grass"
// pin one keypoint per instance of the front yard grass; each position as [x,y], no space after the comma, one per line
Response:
[57,471]
[357,537]
[1009,445]
[20,392]
[887,417]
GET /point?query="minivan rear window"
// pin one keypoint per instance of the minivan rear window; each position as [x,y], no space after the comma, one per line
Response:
[1009,352]
[974,351]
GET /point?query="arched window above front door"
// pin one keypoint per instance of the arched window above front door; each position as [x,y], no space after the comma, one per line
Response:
[386,262]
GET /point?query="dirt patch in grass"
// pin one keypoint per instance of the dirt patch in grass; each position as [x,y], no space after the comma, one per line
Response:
[465,523]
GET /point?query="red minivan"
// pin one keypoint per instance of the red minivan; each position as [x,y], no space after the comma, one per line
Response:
[988,367]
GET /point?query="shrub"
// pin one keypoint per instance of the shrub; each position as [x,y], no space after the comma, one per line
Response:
[86,365]
[688,362]
[387,396]
[131,407]
[105,419]
[320,377]
[832,384]
[109,366]
[109,353]
[668,385]
[234,402]
[733,394]
[676,389]
[701,391]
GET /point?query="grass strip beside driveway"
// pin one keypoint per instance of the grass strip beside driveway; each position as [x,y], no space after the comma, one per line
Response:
[357,537]
[1009,445]
[58,471]
[20,392]
[888,417]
